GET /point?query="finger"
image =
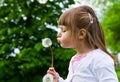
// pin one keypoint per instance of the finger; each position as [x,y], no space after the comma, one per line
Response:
[52,71]
[51,68]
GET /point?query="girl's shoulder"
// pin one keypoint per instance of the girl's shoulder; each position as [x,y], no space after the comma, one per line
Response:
[100,59]
[99,54]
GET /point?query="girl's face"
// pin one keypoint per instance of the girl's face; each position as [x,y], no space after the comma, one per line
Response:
[64,37]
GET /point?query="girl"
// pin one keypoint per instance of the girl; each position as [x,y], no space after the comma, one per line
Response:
[81,30]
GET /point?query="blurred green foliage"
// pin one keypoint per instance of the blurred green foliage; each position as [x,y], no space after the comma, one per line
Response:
[22,26]
[111,25]
[118,71]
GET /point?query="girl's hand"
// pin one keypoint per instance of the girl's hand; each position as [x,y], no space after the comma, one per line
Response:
[52,71]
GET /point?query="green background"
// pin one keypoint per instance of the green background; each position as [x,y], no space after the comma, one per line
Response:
[23,25]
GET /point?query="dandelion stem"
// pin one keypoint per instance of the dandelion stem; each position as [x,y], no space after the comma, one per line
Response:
[52,56]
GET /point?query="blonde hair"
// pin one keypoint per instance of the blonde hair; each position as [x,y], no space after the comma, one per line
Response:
[85,17]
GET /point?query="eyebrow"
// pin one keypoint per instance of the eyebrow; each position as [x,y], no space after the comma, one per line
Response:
[62,26]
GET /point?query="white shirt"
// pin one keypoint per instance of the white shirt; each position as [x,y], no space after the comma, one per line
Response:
[97,66]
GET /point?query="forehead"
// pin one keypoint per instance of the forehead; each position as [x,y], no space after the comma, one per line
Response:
[65,18]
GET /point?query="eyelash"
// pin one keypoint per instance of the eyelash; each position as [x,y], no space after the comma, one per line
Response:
[63,30]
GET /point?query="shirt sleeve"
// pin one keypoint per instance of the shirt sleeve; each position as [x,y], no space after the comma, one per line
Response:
[105,71]
[70,73]
[61,79]
[68,79]
[106,74]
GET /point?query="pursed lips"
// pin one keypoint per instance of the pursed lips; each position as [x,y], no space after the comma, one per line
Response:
[58,40]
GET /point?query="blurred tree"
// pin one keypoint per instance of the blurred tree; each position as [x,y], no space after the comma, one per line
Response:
[111,25]
[23,23]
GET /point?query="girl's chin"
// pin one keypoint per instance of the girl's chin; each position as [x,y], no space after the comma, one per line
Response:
[63,46]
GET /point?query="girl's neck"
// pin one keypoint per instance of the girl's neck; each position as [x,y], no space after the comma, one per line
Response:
[83,50]
[82,47]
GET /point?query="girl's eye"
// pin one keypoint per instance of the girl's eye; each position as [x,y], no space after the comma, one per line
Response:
[63,30]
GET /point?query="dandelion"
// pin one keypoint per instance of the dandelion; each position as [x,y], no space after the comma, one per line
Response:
[48,78]
[46,42]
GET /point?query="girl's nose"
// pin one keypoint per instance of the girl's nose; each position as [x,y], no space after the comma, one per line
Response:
[58,34]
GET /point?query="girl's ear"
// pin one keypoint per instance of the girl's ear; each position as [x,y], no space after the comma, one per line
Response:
[82,33]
